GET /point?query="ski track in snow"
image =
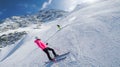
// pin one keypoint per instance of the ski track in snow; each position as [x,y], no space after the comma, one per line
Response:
[17,46]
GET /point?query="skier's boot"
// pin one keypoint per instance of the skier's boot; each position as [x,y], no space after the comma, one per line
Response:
[56,55]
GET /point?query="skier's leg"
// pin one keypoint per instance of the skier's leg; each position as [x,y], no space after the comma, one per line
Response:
[46,51]
[53,51]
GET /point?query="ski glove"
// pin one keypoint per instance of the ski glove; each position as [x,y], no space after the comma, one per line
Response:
[46,43]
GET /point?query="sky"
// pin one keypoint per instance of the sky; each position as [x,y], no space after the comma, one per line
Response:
[10,8]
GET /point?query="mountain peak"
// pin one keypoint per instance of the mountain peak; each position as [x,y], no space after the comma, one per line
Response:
[27,20]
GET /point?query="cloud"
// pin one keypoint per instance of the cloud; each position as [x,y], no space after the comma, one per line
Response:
[46,4]
[90,1]
[69,5]
[66,5]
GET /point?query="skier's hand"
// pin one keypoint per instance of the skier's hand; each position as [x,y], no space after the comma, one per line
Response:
[46,43]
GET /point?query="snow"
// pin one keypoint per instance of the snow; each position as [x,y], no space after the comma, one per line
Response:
[91,34]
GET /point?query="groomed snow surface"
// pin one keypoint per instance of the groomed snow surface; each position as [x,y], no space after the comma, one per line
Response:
[91,34]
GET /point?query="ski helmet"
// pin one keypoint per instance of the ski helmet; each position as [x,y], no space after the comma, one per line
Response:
[36,37]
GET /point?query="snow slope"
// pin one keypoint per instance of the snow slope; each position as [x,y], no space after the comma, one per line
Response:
[91,34]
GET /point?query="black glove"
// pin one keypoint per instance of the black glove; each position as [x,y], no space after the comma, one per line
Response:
[46,43]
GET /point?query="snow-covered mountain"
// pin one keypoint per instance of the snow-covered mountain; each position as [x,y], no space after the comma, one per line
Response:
[91,34]
[27,20]
[10,38]
[50,14]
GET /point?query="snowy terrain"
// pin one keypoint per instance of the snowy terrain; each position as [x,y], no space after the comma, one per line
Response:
[16,22]
[91,34]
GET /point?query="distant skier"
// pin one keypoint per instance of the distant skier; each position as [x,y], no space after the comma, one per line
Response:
[59,27]
[45,48]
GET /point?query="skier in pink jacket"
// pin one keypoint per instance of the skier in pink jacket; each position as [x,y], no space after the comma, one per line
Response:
[45,48]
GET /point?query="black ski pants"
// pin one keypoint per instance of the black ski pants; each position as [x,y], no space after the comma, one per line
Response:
[46,50]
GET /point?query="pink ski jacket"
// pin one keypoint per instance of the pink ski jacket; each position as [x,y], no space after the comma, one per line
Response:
[40,44]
